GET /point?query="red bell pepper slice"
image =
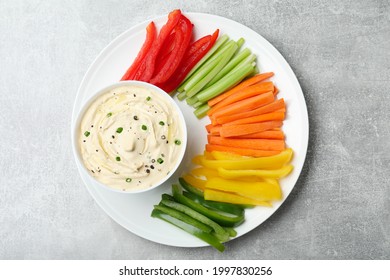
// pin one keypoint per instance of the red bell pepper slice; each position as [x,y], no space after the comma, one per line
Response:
[146,70]
[195,52]
[183,32]
[150,37]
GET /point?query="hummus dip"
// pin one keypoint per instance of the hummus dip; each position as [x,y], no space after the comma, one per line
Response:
[131,138]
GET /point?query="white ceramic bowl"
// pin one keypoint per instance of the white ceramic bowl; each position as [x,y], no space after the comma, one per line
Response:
[76,133]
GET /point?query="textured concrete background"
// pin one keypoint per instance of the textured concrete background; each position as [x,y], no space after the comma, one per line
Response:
[339,51]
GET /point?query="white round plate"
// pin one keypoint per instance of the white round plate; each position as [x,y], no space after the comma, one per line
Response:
[132,211]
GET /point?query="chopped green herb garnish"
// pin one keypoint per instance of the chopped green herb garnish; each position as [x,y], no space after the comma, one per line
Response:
[144,127]
[128,180]
[160,160]
[119,129]
[161,123]
[118,158]
[148,98]
[87,133]
[177,142]
[109,114]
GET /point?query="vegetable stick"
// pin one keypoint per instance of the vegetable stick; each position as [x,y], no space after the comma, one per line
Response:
[276,90]
[256,89]
[256,144]
[273,106]
[151,34]
[243,105]
[273,173]
[268,134]
[268,162]
[274,116]
[232,198]
[256,190]
[221,40]
[241,151]
[208,127]
[215,130]
[234,77]
[204,172]
[232,63]
[255,79]
[195,182]
[244,129]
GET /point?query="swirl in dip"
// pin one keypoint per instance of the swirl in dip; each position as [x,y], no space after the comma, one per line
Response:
[130,138]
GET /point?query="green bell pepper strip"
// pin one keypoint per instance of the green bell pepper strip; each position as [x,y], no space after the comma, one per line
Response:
[188,187]
[232,232]
[220,206]
[220,232]
[206,237]
[219,218]
[197,196]
[183,217]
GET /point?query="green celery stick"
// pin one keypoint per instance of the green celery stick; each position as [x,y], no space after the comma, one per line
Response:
[192,100]
[233,78]
[201,111]
[220,41]
[226,56]
[240,42]
[181,96]
[232,63]
[207,67]
[198,104]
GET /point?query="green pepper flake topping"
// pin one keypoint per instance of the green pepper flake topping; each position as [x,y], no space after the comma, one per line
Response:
[109,115]
[144,127]
[148,98]
[119,129]
[161,123]
[118,158]
[160,160]
[177,142]
[87,133]
[128,180]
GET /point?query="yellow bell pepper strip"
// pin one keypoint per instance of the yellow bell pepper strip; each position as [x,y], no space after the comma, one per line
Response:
[273,173]
[207,237]
[221,196]
[230,208]
[195,182]
[226,156]
[219,231]
[262,191]
[223,220]
[197,159]
[190,188]
[271,162]
[204,172]
[183,217]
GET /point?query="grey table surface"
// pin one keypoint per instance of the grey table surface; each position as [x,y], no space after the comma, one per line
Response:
[339,51]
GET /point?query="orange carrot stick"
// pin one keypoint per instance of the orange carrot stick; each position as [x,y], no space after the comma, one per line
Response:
[268,134]
[244,129]
[271,107]
[244,93]
[255,79]
[241,151]
[276,90]
[256,144]
[245,105]
[208,127]
[273,116]
[215,130]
